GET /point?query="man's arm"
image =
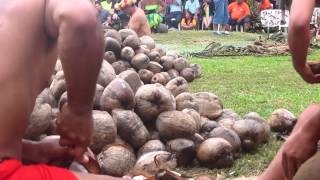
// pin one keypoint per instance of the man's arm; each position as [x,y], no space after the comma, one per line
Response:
[135,23]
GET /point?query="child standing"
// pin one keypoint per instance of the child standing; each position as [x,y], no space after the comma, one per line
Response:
[221,17]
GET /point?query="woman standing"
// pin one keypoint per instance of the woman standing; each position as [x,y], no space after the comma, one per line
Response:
[221,17]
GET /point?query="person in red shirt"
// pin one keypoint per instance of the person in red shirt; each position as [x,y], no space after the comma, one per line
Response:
[239,14]
[264,4]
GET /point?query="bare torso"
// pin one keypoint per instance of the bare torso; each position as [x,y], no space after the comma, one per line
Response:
[27,58]
[139,23]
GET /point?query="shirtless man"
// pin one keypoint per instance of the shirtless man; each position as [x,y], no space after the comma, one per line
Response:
[138,20]
[302,143]
[33,33]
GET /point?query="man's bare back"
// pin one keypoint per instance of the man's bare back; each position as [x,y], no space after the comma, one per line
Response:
[139,23]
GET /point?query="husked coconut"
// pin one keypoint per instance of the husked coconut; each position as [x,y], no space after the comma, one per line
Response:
[228,114]
[151,146]
[151,100]
[46,96]
[130,127]
[155,67]
[39,121]
[116,161]
[188,74]
[159,78]
[154,56]
[124,33]
[58,66]
[195,115]
[140,61]
[173,73]
[148,41]
[58,87]
[177,86]
[184,149]
[209,104]
[119,66]
[110,57]
[215,153]
[106,74]
[180,63]
[166,75]
[97,96]
[118,94]
[160,51]
[132,41]
[227,123]
[145,76]
[255,116]
[113,34]
[127,53]
[105,130]
[197,70]
[113,45]
[167,62]
[175,124]
[186,100]
[132,78]
[282,120]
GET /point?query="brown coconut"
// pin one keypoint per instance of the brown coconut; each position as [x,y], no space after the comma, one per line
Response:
[160,51]
[175,124]
[110,57]
[166,75]
[282,120]
[119,66]
[130,128]
[132,78]
[215,153]
[173,73]
[208,126]
[106,74]
[46,96]
[255,116]
[132,41]
[113,45]
[159,78]
[180,63]
[39,121]
[151,146]
[120,142]
[227,123]
[118,94]
[315,66]
[155,67]
[105,130]
[195,115]
[97,96]
[177,86]
[228,114]
[209,104]
[145,76]
[127,53]
[116,161]
[151,100]
[124,33]
[186,100]
[143,49]
[58,87]
[154,56]
[167,62]
[148,41]
[196,70]
[140,61]
[188,74]
[113,34]
[154,134]
[184,149]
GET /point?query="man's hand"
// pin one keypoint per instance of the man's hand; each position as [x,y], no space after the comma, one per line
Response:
[307,74]
[75,130]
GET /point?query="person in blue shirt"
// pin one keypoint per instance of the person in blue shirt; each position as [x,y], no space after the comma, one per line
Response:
[193,7]
[102,13]
[175,13]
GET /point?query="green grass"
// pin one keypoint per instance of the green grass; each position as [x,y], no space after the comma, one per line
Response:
[245,84]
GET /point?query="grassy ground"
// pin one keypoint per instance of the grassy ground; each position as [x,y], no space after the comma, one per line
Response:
[245,84]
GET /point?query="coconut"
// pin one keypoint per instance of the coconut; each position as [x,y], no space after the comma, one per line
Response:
[282,120]
[110,57]
[58,87]
[132,41]
[151,100]
[177,86]
[188,74]
[186,100]
[118,94]
[227,123]
[46,96]
[154,134]
[230,136]
[155,67]
[39,121]
[208,126]
[196,70]
[116,161]
[215,153]
[127,53]
[132,78]
[228,114]
[184,149]
[148,41]
[124,33]
[112,45]
[143,49]
[105,130]
[145,76]
[152,162]
[173,73]
[160,51]
[58,66]
[106,74]
[130,127]
[154,56]
[251,133]
[119,66]
[196,117]
[166,75]
[97,96]
[167,62]
[209,104]
[255,116]
[159,78]
[113,34]
[140,61]
[180,63]
[175,124]
[151,146]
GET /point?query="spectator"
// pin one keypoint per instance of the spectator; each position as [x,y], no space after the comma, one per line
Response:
[188,21]
[221,17]
[107,4]
[113,21]
[175,12]
[208,9]
[154,10]
[193,7]
[102,13]
[239,14]
[264,4]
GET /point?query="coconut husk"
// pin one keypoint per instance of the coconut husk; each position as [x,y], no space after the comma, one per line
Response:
[215,153]
[255,116]
[106,74]
[154,56]
[186,100]
[153,99]
[130,127]
[167,62]
[145,76]
[207,126]
[227,123]
[209,104]
[180,63]
[148,41]
[177,86]
[151,146]
[143,49]
[175,124]
[159,78]
[110,57]
[196,117]
[132,41]
[140,61]
[132,78]
[46,97]
[188,74]
[127,53]
[282,121]
[113,34]
[58,87]
[124,33]
[118,94]
[160,51]
[155,67]
[228,114]
[113,45]
[97,97]
[120,66]
[184,149]
[173,73]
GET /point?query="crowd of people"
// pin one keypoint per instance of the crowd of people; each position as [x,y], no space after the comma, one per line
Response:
[221,16]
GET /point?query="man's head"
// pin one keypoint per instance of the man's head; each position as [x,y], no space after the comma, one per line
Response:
[98,5]
[239,1]
[127,6]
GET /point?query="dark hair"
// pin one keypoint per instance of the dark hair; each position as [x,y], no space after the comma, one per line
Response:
[97,2]
[185,14]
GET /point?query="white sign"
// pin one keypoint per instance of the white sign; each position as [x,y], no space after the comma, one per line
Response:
[273,17]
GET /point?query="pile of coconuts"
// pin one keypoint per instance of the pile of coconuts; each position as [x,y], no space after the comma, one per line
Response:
[145,119]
